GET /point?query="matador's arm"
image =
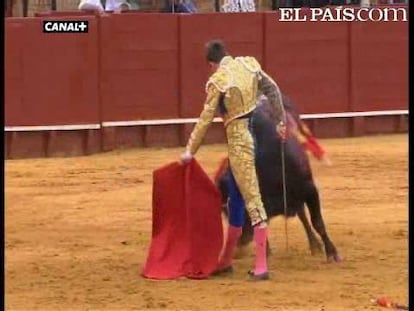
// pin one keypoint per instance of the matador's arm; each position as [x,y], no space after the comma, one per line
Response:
[205,119]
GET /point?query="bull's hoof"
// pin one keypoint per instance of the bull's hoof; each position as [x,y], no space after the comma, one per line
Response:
[334,258]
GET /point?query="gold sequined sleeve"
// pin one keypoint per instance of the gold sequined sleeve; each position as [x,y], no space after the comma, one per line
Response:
[272,92]
[205,119]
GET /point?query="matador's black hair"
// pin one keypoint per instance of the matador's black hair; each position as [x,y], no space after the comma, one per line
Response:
[215,51]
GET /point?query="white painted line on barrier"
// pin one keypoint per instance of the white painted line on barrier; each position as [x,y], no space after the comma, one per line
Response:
[190,121]
[73,127]
[153,122]
[303,116]
[353,114]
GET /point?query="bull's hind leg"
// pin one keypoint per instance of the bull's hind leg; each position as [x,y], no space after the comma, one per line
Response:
[313,203]
[247,233]
[314,245]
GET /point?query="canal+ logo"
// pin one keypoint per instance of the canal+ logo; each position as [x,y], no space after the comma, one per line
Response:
[65,26]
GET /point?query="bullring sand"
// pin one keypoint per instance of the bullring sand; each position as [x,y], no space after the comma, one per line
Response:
[78,231]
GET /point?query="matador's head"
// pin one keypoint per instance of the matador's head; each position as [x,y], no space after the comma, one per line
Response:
[215,51]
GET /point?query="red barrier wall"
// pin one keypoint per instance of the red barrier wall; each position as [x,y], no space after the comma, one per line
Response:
[379,66]
[243,34]
[139,68]
[310,62]
[152,66]
[50,79]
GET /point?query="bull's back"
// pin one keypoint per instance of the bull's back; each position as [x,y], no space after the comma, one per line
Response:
[269,165]
[268,148]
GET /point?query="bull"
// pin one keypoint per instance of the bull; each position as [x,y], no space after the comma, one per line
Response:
[300,186]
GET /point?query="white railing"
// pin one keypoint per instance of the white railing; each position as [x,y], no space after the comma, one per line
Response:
[191,120]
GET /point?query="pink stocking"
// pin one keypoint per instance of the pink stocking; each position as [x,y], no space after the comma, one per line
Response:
[260,237]
[233,235]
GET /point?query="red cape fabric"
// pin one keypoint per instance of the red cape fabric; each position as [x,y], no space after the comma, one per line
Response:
[187,232]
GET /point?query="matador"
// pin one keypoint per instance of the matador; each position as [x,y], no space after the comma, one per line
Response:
[232,90]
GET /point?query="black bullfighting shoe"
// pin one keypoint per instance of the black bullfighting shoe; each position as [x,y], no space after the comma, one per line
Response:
[258,277]
[222,271]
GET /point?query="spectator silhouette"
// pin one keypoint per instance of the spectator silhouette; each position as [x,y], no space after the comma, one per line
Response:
[180,6]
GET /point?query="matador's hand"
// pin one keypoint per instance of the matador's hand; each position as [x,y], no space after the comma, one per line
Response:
[281,130]
[186,157]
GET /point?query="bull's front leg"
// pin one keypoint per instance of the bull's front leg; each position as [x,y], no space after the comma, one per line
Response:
[314,245]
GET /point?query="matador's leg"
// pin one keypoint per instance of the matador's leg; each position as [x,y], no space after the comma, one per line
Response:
[242,162]
[235,205]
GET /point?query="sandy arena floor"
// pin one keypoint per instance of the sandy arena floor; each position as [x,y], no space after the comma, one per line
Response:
[78,230]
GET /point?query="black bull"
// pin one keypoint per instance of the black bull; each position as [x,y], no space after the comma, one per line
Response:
[300,186]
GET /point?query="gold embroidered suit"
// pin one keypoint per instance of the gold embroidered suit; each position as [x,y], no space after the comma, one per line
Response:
[235,86]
